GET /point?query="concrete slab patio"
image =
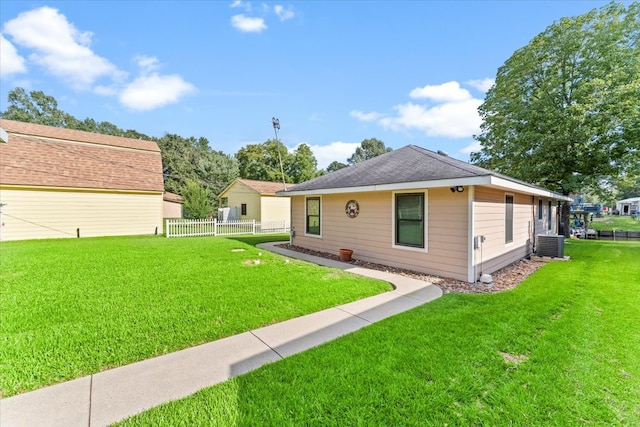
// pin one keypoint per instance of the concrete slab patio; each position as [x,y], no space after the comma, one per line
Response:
[110,396]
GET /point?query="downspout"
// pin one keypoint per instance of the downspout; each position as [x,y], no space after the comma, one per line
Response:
[533,221]
[471,261]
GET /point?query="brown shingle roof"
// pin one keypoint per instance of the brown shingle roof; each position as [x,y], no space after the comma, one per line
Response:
[38,155]
[263,187]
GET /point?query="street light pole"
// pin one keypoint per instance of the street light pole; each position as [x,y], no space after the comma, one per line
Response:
[276,127]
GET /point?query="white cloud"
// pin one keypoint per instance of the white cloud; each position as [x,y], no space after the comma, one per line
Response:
[365,117]
[59,47]
[153,91]
[474,146]
[451,119]
[336,151]
[481,84]
[147,63]
[283,13]
[446,92]
[244,5]
[449,111]
[10,61]
[247,24]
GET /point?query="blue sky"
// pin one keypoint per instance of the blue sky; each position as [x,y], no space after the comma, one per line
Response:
[333,72]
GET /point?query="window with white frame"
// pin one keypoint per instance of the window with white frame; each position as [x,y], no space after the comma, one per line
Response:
[508,216]
[410,220]
[312,215]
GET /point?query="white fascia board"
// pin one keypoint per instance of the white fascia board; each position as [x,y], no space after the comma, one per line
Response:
[522,188]
[4,136]
[399,186]
[451,182]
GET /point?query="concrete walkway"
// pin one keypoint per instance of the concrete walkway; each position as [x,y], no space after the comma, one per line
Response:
[110,396]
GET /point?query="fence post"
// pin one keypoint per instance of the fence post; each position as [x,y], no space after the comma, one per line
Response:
[253,226]
[215,226]
[166,227]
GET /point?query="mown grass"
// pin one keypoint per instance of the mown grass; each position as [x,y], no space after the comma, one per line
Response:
[71,307]
[622,223]
[560,349]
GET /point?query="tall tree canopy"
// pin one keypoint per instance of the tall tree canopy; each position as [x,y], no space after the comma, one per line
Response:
[335,165]
[564,111]
[262,162]
[369,148]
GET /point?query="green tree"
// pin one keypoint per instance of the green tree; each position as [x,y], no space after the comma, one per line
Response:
[36,107]
[304,164]
[369,148]
[191,159]
[262,162]
[197,200]
[564,110]
[335,165]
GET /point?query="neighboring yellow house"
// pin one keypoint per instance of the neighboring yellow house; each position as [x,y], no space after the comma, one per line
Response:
[424,211]
[57,182]
[246,199]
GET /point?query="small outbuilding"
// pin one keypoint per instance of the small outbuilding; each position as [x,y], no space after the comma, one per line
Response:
[246,199]
[424,211]
[630,206]
[57,182]
[172,205]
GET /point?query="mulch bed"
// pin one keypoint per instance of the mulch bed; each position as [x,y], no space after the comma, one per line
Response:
[504,279]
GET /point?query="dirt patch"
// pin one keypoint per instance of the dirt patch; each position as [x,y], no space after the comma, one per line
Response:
[516,359]
[507,278]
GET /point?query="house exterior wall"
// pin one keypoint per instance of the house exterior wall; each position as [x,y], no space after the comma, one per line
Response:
[370,234]
[32,213]
[489,221]
[171,209]
[273,208]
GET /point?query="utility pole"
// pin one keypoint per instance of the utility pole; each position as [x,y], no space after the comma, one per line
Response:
[276,127]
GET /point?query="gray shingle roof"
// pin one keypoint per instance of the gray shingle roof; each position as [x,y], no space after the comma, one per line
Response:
[407,164]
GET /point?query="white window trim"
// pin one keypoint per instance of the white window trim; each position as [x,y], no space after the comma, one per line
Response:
[511,243]
[425,220]
[315,236]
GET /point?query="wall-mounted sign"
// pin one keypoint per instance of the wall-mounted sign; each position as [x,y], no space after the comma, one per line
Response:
[352,209]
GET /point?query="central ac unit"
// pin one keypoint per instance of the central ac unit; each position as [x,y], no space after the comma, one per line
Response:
[550,246]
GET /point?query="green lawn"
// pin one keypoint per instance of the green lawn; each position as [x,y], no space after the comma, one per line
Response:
[623,223]
[72,307]
[561,349]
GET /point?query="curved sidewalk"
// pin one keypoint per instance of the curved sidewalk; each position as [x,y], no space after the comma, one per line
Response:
[110,396]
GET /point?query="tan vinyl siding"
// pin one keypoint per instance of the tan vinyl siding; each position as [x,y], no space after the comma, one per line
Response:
[171,209]
[370,234]
[38,214]
[489,221]
[274,208]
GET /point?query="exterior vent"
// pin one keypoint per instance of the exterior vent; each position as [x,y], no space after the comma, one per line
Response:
[550,246]
[443,153]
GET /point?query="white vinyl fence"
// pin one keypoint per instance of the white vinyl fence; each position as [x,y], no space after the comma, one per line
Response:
[213,227]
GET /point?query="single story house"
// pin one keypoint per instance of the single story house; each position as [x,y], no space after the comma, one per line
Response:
[628,206]
[57,182]
[246,199]
[172,205]
[420,210]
